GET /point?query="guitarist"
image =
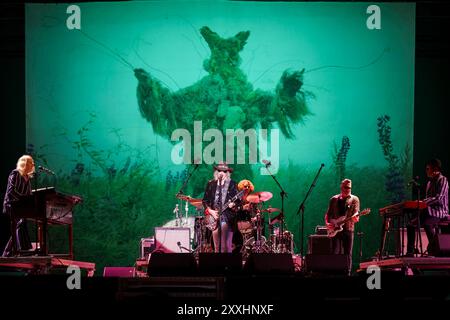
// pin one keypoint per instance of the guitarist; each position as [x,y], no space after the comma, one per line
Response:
[218,191]
[343,204]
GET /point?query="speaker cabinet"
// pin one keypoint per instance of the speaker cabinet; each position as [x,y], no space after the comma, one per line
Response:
[403,233]
[440,247]
[270,263]
[172,240]
[328,263]
[171,264]
[120,272]
[219,263]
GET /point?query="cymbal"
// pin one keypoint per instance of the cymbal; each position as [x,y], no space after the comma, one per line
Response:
[258,197]
[276,219]
[198,203]
[270,210]
[183,197]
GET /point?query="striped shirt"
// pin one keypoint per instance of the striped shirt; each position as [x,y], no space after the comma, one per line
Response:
[437,197]
[17,187]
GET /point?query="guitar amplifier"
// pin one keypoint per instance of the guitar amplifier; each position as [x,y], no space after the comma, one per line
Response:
[146,246]
[319,244]
[172,240]
[440,247]
[321,230]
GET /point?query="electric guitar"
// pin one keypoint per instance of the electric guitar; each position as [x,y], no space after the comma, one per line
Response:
[338,224]
[211,222]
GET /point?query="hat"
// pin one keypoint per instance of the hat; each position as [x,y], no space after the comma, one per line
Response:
[222,166]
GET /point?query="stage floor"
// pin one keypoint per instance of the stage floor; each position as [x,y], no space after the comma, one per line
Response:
[395,287]
[285,292]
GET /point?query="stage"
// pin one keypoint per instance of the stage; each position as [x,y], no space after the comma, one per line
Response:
[282,288]
[285,291]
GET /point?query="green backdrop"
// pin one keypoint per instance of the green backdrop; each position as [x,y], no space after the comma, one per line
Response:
[103,100]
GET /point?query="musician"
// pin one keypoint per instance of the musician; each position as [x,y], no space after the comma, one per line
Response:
[343,204]
[218,192]
[19,186]
[244,216]
[436,198]
[246,208]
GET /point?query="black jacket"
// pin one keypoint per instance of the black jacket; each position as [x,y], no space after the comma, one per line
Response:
[228,215]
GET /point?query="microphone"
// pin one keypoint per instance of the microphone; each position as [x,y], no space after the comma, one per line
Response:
[46,170]
[414,182]
[267,163]
[219,180]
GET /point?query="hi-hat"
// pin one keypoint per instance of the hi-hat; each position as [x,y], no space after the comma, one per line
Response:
[276,219]
[270,210]
[258,197]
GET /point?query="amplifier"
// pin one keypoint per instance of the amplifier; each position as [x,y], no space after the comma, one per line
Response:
[147,245]
[440,247]
[173,240]
[321,230]
[319,244]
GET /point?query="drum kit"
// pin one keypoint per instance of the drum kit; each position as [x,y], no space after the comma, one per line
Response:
[250,225]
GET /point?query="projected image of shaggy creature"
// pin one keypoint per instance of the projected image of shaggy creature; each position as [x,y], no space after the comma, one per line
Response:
[223,99]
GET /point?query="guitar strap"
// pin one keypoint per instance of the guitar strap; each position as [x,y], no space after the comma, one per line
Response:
[349,204]
[219,200]
[221,194]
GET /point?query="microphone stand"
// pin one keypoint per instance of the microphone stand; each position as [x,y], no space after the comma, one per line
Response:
[283,194]
[302,209]
[37,226]
[220,214]
[180,192]
[416,186]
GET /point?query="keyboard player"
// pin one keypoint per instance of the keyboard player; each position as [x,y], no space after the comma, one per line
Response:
[18,188]
[436,199]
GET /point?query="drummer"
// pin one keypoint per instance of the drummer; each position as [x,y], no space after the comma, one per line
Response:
[247,209]
[249,188]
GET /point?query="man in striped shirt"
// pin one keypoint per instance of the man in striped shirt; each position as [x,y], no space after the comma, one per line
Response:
[436,198]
